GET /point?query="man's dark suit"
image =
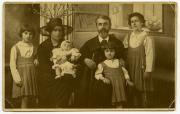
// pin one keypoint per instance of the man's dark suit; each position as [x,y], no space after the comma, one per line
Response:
[92,50]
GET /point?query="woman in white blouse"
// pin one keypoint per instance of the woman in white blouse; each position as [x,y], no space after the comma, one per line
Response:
[23,69]
[140,59]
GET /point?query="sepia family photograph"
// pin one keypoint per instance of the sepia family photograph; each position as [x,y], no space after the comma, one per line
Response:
[73,56]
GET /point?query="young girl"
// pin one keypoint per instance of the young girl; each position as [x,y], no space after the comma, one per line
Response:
[139,59]
[23,69]
[112,72]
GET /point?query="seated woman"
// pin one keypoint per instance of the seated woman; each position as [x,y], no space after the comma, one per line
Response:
[53,92]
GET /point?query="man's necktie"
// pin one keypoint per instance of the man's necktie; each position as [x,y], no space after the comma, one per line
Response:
[104,42]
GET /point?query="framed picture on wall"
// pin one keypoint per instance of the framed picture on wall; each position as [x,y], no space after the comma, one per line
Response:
[85,15]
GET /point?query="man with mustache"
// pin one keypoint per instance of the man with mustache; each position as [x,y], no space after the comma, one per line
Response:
[92,54]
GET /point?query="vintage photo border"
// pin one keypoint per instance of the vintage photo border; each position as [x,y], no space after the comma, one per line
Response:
[79,110]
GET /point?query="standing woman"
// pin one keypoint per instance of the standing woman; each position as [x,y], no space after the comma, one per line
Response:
[140,59]
[53,92]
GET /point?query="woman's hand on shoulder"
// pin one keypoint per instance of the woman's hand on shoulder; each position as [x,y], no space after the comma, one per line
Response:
[125,41]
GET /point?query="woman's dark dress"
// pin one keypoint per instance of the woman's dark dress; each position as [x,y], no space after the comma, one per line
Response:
[52,92]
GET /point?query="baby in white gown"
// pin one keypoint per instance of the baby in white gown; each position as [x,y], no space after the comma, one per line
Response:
[63,59]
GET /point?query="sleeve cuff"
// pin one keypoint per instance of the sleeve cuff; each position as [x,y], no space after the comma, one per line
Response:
[99,76]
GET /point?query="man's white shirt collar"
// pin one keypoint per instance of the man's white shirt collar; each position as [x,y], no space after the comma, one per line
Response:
[101,39]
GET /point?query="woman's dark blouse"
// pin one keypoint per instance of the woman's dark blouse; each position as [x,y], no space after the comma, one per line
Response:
[46,74]
[44,54]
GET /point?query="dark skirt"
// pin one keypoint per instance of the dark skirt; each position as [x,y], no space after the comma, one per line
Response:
[58,93]
[100,95]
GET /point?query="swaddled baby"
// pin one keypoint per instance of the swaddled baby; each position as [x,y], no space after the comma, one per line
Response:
[64,58]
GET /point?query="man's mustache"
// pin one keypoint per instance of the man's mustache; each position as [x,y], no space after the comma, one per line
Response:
[104,30]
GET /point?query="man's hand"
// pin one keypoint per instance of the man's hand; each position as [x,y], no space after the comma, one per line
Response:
[90,63]
[58,76]
[106,81]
